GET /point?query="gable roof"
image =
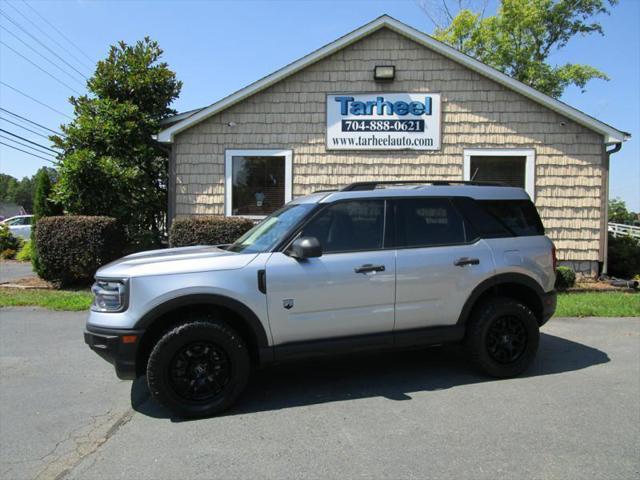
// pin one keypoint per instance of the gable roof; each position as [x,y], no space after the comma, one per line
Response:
[611,134]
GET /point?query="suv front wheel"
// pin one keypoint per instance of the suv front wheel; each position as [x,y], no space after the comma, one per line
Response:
[198,368]
[502,337]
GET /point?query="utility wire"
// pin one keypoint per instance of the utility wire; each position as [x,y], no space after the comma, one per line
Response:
[27,140]
[31,121]
[25,145]
[29,153]
[80,62]
[40,68]
[41,55]
[25,128]
[60,33]
[42,44]
[37,101]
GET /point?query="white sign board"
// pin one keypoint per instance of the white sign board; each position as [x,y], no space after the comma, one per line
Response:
[383,121]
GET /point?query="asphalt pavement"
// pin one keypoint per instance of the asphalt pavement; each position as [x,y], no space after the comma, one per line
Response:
[419,414]
[11,270]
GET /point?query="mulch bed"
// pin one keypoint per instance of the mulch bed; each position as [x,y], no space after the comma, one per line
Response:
[29,283]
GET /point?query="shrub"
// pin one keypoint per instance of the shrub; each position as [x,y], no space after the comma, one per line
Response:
[71,248]
[624,257]
[8,241]
[26,252]
[7,254]
[211,230]
[565,278]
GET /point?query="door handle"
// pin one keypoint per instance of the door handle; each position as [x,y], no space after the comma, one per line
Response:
[369,268]
[462,261]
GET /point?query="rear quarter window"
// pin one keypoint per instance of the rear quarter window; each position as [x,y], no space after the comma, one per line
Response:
[519,216]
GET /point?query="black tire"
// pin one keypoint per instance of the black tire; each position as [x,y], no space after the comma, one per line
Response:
[198,368]
[502,337]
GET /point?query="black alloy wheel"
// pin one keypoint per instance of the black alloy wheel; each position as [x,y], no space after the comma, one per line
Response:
[506,339]
[199,371]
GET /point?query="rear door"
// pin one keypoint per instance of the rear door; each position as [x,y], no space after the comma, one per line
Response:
[439,262]
[349,290]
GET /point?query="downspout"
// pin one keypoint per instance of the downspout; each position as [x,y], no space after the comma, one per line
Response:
[605,263]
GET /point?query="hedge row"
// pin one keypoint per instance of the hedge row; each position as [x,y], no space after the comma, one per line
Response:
[71,248]
[207,230]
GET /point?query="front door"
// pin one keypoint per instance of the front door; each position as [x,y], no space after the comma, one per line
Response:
[349,290]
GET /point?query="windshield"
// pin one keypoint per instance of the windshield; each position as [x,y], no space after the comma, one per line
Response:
[270,231]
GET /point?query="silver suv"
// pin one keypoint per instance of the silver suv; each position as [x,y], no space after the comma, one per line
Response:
[379,265]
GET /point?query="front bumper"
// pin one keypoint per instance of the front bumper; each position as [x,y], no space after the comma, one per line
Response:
[549,302]
[118,347]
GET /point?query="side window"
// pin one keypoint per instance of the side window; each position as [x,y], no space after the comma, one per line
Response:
[349,226]
[519,216]
[425,222]
[485,224]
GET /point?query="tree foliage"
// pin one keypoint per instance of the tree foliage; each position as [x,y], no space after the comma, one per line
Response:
[21,192]
[110,163]
[43,205]
[618,213]
[520,38]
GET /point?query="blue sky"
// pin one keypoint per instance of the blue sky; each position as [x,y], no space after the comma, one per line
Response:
[218,47]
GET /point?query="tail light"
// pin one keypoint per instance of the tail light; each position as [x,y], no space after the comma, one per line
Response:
[554,256]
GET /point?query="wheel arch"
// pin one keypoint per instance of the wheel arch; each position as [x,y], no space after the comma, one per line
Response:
[515,285]
[240,317]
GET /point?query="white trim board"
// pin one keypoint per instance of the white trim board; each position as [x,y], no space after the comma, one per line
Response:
[611,134]
[529,168]
[228,174]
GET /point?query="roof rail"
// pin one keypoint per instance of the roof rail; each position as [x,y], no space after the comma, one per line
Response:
[357,186]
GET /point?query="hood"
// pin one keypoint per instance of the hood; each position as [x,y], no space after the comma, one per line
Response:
[175,261]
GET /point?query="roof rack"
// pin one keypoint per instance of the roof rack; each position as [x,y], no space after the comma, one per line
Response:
[357,186]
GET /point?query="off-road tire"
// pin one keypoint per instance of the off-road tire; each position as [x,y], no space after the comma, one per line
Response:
[162,358]
[478,344]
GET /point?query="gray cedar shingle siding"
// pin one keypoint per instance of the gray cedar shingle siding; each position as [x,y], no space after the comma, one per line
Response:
[476,113]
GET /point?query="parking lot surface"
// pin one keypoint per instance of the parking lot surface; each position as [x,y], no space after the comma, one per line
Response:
[418,414]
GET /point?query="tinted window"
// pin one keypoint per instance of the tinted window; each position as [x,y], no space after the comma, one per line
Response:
[484,224]
[424,222]
[519,216]
[349,226]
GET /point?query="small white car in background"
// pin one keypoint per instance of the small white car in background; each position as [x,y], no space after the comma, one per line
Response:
[20,226]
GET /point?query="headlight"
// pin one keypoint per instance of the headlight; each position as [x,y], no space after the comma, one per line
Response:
[109,295]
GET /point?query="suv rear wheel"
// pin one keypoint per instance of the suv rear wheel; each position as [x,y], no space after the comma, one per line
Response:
[198,368]
[502,337]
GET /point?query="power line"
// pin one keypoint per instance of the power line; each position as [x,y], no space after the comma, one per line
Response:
[30,121]
[25,128]
[37,101]
[60,33]
[29,153]
[80,62]
[42,44]
[29,141]
[41,55]
[25,145]
[40,68]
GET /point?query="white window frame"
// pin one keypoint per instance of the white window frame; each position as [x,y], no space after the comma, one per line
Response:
[529,168]
[228,175]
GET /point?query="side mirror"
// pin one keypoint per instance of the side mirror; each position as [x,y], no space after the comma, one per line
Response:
[305,247]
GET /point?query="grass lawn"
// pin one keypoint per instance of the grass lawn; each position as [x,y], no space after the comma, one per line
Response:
[598,304]
[51,299]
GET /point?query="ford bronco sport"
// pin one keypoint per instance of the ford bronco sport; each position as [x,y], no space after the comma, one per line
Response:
[376,265]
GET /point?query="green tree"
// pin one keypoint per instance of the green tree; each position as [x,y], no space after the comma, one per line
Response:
[43,205]
[110,163]
[618,213]
[520,38]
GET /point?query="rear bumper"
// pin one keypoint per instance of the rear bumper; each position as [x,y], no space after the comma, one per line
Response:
[549,302]
[118,347]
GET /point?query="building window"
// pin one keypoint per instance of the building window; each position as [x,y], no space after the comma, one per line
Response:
[257,182]
[513,167]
